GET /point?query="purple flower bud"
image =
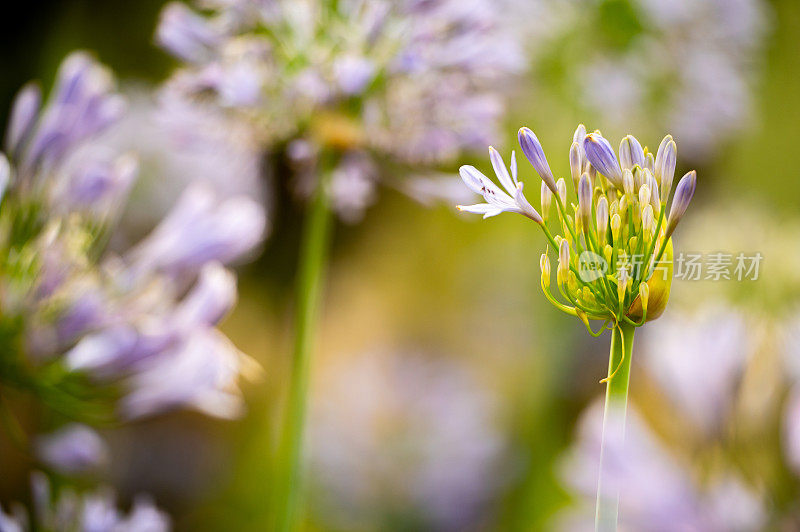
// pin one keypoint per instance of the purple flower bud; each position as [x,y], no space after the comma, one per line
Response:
[631,153]
[103,352]
[602,219]
[576,163]
[655,200]
[680,202]
[210,299]
[650,162]
[73,449]
[199,230]
[72,78]
[579,135]
[23,117]
[532,149]
[601,155]
[666,159]
[585,199]
[97,184]
[563,256]
[200,373]
[186,34]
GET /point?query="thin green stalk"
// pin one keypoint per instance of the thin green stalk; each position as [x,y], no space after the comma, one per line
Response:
[313,255]
[619,368]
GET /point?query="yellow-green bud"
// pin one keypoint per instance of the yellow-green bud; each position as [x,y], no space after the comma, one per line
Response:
[544,264]
[648,223]
[616,224]
[608,253]
[627,182]
[644,195]
[561,186]
[622,285]
[644,295]
[572,282]
[602,218]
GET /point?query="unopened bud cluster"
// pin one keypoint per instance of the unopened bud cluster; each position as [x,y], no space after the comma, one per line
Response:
[620,210]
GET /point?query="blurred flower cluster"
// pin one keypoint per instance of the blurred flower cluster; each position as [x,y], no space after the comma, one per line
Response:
[686,66]
[97,331]
[370,85]
[70,511]
[405,437]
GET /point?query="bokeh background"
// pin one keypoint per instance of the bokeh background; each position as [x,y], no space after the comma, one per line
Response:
[447,394]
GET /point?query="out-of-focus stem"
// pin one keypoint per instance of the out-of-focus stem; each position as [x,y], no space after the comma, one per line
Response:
[616,406]
[313,255]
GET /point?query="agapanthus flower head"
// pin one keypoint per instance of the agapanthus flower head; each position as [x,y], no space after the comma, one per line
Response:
[413,81]
[614,246]
[130,332]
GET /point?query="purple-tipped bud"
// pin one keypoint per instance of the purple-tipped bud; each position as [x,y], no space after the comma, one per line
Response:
[666,159]
[575,163]
[644,195]
[585,199]
[580,134]
[638,177]
[23,117]
[532,149]
[683,196]
[602,218]
[563,256]
[601,155]
[651,182]
[631,153]
[650,162]
[547,199]
[186,34]
[211,298]
[648,223]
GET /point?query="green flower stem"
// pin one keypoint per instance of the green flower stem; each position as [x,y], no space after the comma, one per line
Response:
[614,423]
[313,255]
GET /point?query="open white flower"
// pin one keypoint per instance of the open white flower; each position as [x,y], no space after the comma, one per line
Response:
[497,200]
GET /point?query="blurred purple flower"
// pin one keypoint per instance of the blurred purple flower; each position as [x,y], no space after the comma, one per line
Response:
[72,449]
[658,492]
[791,429]
[687,66]
[180,141]
[128,318]
[698,360]
[88,512]
[199,229]
[406,435]
[421,80]
[91,512]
